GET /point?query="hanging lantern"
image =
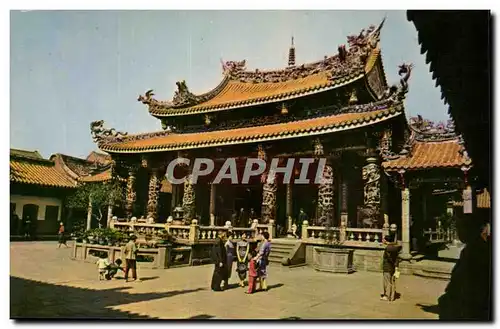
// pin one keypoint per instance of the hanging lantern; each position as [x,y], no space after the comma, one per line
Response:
[284,110]
[353,99]
[207,120]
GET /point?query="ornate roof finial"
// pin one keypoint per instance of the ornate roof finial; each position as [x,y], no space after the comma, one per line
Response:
[291,55]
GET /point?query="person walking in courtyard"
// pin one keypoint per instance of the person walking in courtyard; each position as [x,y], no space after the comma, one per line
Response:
[242,251]
[263,260]
[229,245]
[130,252]
[62,235]
[252,272]
[220,262]
[390,264]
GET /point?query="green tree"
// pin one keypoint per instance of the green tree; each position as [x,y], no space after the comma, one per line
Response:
[98,195]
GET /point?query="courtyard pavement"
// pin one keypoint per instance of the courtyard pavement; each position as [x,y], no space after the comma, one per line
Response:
[46,283]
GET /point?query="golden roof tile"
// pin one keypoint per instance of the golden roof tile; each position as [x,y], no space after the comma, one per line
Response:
[38,172]
[307,127]
[425,155]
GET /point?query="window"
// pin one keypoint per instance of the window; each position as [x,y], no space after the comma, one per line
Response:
[52,213]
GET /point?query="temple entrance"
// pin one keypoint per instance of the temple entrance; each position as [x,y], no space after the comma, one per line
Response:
[231,199]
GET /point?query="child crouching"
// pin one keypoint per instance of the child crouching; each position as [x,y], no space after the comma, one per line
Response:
[113,269]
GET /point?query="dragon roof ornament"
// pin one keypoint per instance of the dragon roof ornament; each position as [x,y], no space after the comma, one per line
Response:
[426,130]
[101,134]
[182,97]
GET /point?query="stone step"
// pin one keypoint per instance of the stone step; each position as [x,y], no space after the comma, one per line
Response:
[280,248]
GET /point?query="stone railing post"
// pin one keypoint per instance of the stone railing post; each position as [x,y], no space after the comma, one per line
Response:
[385,227]
[168,223]
[305,225]
[272,228]
[393,230]
[343,231]
[112,222]
[194,230]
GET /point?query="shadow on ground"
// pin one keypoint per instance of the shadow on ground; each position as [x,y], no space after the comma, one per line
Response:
[39,300]
[201,317]
[429,308]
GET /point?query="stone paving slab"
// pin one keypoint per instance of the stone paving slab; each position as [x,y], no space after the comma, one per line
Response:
[45,282]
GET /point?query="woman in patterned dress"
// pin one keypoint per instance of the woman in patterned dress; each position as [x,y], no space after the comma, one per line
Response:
[242,249]
[263,260]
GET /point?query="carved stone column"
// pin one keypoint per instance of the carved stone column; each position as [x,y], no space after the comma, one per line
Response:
[131,193]
[289,202]
[268,209]
[325,196]
[269,199]
[405,223]
[188,200]
[325,203]
[370,213]
[344,217]
[212,201]
[154,193]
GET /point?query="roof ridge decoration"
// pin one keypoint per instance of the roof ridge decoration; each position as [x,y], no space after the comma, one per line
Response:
[344,64]
[99,133]
[426,130]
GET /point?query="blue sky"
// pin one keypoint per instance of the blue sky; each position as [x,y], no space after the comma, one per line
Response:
[71,68]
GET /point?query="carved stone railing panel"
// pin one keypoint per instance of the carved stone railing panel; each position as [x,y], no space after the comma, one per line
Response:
[179,231]
[323,233]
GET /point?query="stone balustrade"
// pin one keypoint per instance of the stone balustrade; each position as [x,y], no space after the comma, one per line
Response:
[194,233]
[345,235]
[440,235]
[364,235]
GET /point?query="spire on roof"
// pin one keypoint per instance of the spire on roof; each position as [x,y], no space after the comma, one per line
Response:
[291,55]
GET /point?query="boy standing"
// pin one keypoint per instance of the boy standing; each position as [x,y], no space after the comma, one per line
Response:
[390,268]
[252,272]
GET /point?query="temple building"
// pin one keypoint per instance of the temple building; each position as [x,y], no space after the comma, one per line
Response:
[340,108]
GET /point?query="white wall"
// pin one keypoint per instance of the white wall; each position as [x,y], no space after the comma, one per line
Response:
[42,202]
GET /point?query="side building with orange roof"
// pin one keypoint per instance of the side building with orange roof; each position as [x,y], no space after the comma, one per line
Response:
[39,188]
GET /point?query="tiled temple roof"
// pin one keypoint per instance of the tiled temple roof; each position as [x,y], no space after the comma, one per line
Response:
[242,88]
[99,177]
[426,155]
[164,141]
[26,169]
[429,146]
[95,168]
